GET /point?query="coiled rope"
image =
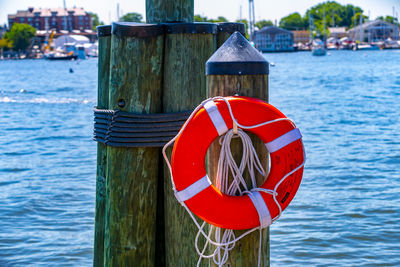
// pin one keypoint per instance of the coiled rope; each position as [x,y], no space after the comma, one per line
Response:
[226,164]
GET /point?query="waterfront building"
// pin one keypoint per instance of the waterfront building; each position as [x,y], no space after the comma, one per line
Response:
[2,31]
[337,32]
[374,31]
[301,36]
[273,39]
[60,19]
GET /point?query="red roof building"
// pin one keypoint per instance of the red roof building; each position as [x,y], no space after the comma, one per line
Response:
[60,19]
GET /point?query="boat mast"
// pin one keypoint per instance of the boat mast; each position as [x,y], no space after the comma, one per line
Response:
[65,17]
[324,31]
[310,26]
[361,28]
[252,18]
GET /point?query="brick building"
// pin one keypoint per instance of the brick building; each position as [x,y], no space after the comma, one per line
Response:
[61,19]
[301,36]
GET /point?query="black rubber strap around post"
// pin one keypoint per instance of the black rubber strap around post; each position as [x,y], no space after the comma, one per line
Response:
[125,129]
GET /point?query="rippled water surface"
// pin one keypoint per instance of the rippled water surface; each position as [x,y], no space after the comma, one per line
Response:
[347,210]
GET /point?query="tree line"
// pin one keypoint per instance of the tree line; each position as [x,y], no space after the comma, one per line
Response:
[336,15]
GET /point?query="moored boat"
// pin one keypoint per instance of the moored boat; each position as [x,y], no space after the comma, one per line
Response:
[59,56]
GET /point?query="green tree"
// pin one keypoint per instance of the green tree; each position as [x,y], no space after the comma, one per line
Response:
[263,23]
[20,36]
[293,21]
[200,18]
[335,15]
[356,19]
[4,44]
[131,17]
[220,19]
[95,20]
[389,19]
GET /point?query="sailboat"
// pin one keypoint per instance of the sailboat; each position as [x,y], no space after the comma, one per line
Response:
[318,48]
[317,45]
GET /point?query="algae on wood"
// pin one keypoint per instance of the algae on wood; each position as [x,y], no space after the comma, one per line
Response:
[184,89]
[161,11]
[131,188]
[104,35]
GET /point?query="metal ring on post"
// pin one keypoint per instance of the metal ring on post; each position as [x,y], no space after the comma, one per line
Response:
[199,27]
[103,30]
[134,29]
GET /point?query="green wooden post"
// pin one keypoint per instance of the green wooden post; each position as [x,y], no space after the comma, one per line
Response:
[160,11]
[104,36]
[225,30]
[131,187]
[187,48]
[238,68]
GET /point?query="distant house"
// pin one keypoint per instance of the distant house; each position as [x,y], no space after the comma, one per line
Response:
[273,39]
[374,31]
[301,36]
[60,19]
[2,31]
[337,32]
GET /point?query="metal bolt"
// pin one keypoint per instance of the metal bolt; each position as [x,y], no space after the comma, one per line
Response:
[121,103]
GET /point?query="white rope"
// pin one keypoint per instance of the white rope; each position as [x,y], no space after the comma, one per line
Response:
[226,164]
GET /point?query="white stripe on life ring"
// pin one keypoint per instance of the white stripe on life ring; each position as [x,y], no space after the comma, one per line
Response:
[283,140]
[193,189]
[262,209]
[216,117]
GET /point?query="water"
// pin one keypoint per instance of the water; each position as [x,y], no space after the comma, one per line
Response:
[347,210]
[47,163]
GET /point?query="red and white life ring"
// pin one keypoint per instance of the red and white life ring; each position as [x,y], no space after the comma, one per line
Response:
[283,141]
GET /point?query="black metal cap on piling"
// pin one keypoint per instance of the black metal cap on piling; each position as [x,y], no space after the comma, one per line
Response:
[103,30]
[237,57]
[231,27]
[133,29]
[200,27]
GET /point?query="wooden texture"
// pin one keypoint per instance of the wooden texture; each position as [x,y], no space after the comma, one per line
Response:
[245,252]
[131,188]
[184,89]
[159,11]
[102,102]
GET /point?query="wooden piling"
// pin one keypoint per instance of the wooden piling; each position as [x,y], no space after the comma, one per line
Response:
[104,36]
[131,187]
[187,48]
[238,68]
[160,11]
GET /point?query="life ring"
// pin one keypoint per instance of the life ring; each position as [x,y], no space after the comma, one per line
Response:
[283,141]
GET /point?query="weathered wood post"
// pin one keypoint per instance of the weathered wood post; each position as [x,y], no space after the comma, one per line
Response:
[238,68]
[225,30]
[131,187]
[187,48]
[104,36]
[161,11]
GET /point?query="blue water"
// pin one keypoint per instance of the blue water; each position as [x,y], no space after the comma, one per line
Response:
[47,163]
[346,212]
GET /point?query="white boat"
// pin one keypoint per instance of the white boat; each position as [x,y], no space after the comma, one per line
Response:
[318,48]
[317,45]
[59,56]
[366,47]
